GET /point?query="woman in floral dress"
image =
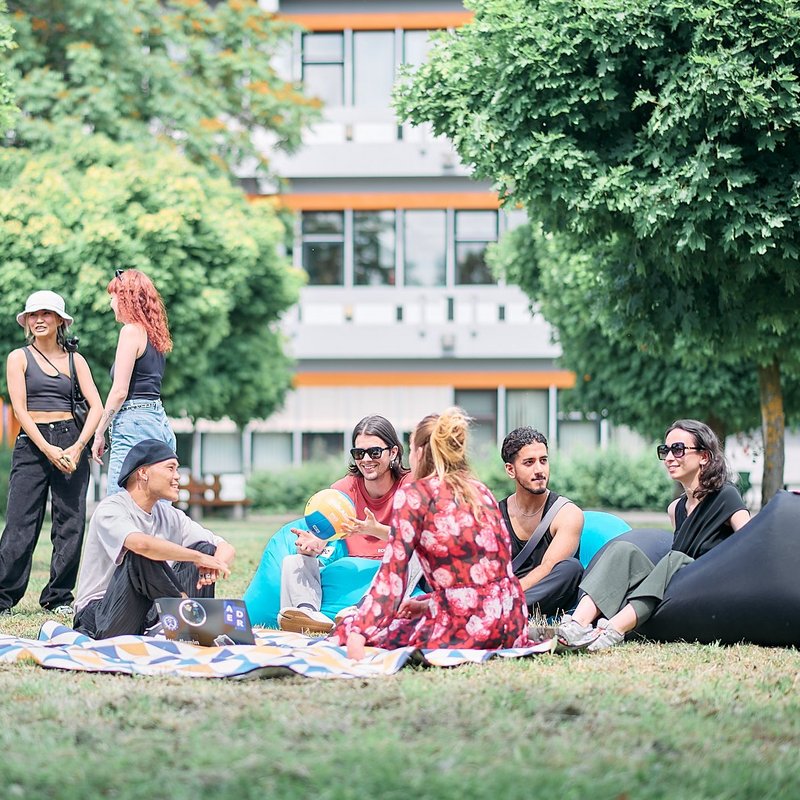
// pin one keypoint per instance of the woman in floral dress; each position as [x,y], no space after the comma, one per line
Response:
[452,521]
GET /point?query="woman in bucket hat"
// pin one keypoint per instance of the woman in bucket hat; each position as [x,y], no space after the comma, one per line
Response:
[49,455]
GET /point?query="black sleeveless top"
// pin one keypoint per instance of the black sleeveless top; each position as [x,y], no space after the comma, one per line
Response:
[148,371]
[535,557]
[46,392]
[708,524]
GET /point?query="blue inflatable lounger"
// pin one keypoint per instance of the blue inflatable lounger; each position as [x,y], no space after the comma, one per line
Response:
[345,579]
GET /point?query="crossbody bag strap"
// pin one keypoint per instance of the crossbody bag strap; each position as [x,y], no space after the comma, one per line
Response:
[538,534]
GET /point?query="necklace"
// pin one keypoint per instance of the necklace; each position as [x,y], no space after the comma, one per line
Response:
[535,513]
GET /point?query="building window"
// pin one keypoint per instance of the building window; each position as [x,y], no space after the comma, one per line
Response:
[271,451]
[323,67]
[474,231]
[323,247]
[481,405]
[425,248]
[373,248]
[321,446]
[578,435]
[416,46]
[528,407]
[221,453]
[373,68]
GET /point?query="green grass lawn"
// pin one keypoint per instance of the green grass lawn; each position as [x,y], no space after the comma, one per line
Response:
[640,721]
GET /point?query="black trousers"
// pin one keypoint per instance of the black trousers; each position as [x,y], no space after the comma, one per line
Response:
[32,476]
[557,591]
[127,606]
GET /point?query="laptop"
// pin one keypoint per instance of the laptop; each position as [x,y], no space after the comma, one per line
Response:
[207,621]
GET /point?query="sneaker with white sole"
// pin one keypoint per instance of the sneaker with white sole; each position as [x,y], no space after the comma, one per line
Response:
[608,637]
[304,620]
[64,610]
[572,635]
[345,612]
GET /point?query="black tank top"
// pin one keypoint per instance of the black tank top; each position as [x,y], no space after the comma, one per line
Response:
[46,392]
[537,554]
[148,370]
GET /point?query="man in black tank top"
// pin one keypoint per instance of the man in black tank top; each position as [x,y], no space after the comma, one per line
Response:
[543,556]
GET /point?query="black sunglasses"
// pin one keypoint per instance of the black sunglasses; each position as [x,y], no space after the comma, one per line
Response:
[118,274]
[678,450]
[373,452]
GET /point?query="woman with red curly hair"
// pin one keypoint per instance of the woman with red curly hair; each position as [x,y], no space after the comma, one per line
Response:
[133,408]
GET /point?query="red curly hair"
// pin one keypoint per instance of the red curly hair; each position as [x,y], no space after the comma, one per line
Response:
[138,301]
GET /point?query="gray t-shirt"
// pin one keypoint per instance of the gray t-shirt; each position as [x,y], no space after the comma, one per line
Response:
[116,517]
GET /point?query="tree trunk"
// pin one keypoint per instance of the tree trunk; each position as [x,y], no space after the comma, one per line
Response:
[718,426]
[772,429]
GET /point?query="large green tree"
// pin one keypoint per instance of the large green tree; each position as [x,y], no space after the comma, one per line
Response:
[198,75]
[135,119]
[69,218]
[634,384]
[663,137]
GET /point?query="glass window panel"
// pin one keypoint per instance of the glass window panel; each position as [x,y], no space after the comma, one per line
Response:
[271,450]
[482,407]
[325,81]
[471,265]
[528,407]
[183,448]
[476,225]
[373,68]
[323,222]
[324,263]
[323,47]
[416,46]
[577,435]
[425,248]
[221,452]
[320,446]
[373,248]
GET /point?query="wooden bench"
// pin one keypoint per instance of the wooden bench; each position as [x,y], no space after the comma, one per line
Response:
[196,495]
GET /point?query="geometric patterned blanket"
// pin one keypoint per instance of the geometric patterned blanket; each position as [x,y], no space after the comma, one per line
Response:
[275,654]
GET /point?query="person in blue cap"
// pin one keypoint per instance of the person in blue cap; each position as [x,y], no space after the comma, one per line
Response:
[139,549]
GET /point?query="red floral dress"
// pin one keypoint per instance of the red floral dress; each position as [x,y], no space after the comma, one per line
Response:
[476,601]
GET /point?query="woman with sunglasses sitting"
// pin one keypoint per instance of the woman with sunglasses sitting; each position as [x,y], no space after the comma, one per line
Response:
[374,476]
[452,522]
[624,586]
[133,407]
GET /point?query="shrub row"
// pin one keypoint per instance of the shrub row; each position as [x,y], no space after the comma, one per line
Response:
[599,479]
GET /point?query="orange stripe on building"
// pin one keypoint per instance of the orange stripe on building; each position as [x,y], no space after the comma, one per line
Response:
[408,20]
[377,201]
[561,379]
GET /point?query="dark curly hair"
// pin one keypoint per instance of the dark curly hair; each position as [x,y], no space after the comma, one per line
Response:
[715,472]
[519,438]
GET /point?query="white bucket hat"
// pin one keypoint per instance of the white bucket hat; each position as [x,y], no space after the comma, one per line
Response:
[44,301]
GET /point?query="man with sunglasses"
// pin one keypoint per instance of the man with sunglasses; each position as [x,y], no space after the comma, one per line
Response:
[545,528]
[374,476]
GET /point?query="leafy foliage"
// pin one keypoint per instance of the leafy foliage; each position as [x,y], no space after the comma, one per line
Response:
[196,74]
[7,107]
[70,217]
[286,491]
[634,384]
[662,137]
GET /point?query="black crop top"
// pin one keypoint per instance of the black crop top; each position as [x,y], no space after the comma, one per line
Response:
[46,392]
[148,370]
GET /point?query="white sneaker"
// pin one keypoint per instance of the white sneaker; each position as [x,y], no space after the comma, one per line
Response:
[304,620]
[63,611]
[345,612]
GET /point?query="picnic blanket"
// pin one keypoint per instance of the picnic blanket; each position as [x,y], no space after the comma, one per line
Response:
[275,654]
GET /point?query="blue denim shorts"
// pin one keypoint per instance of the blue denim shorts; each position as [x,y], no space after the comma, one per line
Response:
[135,421]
